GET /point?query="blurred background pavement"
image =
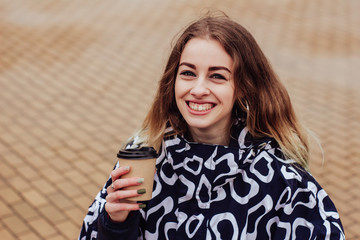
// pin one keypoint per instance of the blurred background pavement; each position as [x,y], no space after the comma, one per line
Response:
[77,77]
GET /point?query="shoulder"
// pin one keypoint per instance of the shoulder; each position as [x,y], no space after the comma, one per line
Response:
[295,192]
[282,178]
[269,160]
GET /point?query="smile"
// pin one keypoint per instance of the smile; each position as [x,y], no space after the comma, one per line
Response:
[200,107]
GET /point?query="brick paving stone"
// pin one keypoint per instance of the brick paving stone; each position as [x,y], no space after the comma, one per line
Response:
[72,231]
[345,207]
[27,172]
[45,151]
[42,227]
[355,192]
[97,144]
[4,209]
[90,155]
[43,186]
[52,175]
[19,183]
[75,145]
[15,224]
[34,198]
[3,148]
[3,184]
[69,189]
[56,237]
[61,201]
[13,159]
[61,164]
[9,138]
[37,161]
[354,215]
[84,201]
[77,177]
[67,154]
[52,213]
[92,189]
[84,167]
[352,232]
[5,234]
[22,150]
[29,236]
[26,210]
[6,170]
[9,195]
[75,214]
[99,178]
[105,166]
[338,182]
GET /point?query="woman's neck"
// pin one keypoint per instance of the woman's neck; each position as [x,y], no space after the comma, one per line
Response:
[207,137]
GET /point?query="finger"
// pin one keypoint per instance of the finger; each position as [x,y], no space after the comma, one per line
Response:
[123,194]
[116,173]
[115,207]
[110,189]
[126,182]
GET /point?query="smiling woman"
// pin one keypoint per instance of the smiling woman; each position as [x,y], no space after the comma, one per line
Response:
[232,155]
[204,91]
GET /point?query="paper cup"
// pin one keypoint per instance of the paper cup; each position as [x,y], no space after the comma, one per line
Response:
[142,163]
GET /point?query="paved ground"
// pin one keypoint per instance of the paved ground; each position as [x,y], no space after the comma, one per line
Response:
[76,78]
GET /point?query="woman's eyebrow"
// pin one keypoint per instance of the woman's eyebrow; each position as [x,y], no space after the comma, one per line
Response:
[219,68]
[213,68]
[188,64]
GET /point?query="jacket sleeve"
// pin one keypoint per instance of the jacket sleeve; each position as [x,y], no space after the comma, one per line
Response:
[97,225]
[332,228]
[128,230]
[89,228]
[302,205]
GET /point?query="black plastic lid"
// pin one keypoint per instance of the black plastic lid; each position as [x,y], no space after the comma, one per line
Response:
[138,153]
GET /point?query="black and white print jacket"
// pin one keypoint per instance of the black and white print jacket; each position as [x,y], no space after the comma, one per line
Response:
[246,190]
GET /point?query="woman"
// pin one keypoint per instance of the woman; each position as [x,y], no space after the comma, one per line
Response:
[232,155]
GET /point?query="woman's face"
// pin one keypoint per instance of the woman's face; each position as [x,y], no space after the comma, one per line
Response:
[204,86]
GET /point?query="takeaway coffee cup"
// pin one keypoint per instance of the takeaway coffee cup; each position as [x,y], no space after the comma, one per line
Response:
[142,164]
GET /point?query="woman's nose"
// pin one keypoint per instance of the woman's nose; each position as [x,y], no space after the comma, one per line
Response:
[200,88]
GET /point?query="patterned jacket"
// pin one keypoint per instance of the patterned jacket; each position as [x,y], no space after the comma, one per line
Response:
[246,190]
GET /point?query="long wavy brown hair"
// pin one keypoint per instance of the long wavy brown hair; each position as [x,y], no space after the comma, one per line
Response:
[261,98]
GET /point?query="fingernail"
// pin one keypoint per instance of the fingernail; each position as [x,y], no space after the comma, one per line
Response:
[141,191]
[142,205]
[127,168]
[140,180]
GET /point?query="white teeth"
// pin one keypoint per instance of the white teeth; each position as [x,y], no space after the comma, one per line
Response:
[200,107]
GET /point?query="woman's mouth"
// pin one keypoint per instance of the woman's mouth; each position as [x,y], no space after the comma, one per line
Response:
[200,107]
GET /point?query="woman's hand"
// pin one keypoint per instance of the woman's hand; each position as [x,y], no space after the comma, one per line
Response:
[117,207]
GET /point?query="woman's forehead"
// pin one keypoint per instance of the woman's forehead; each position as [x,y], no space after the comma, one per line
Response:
[209,52]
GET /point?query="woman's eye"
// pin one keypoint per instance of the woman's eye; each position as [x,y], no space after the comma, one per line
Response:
[218,76]
[188,74]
